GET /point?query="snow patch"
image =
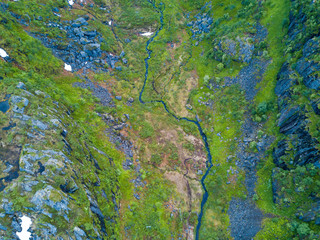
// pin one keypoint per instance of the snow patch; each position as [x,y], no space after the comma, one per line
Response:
[25,225]
[3,53]
[67,67]
[71,2]
[146,34]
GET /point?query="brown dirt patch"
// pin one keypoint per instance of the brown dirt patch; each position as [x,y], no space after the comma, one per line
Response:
[189,190]
[179,95]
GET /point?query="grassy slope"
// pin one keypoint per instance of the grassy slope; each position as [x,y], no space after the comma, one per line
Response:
[276,12]
[215,219]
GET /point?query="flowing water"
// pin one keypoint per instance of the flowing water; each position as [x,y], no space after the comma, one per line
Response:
[160,9]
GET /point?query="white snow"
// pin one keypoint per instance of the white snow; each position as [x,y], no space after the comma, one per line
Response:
[25,225]
[67,67]
[146,34]
[3,53]
[71,2]
[110,22]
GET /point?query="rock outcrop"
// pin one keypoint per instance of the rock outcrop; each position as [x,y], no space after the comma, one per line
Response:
[43,180]
[299,146]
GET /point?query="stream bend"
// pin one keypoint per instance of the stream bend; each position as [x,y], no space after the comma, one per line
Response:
[196,122]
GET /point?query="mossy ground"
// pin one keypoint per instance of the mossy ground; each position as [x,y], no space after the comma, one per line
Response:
[176,75]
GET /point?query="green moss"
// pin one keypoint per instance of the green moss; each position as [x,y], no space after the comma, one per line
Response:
[275,228]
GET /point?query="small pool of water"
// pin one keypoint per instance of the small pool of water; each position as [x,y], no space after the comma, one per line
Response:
[4,106]
[9,127]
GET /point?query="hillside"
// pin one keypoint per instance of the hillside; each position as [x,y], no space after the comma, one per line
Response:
[149,119]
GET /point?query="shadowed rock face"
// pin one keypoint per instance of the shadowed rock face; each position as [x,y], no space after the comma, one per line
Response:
[293,120]
[298,147]
[307,67]
[292,123]
[278,152]
[290,120]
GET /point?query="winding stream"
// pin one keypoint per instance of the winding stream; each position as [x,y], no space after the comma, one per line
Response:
[196,122]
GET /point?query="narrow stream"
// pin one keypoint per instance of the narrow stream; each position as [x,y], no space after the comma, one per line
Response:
[204,137]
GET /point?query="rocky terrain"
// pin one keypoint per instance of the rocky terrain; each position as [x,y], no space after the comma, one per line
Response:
[156,119]
[44,171]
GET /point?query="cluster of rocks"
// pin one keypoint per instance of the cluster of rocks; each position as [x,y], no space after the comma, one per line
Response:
[125,145]
[77,46]
[311,215]
[245,216]
[97,91]
[201,25]
[249,76]
[240,49]
[247,159]
[83,50]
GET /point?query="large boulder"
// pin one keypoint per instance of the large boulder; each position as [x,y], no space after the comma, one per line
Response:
[90,34]
[79,22]
[93,50]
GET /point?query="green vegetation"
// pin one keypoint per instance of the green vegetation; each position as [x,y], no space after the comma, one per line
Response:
[199,76]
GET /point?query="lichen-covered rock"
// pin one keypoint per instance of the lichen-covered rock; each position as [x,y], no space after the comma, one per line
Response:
[19,103]
[79,233]
[21,85]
